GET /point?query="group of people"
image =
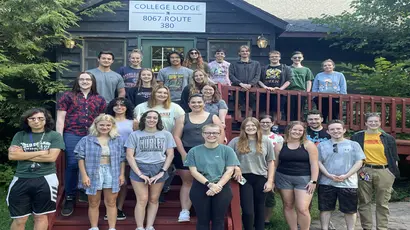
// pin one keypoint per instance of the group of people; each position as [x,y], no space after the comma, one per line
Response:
[176,121]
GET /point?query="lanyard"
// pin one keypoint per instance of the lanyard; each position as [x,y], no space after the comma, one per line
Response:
[32,140]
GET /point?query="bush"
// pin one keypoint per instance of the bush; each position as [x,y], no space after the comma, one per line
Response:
[6,175]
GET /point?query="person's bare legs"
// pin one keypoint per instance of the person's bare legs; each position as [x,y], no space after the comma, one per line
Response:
[302,201]
[19,223]
[110,201]
[141,192]
[94,208]
[288,199]
[325,219]
[154,193]
[350,220]
[185,188]
[40,222]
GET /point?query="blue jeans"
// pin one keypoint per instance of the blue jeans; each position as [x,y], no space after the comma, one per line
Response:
[71,168]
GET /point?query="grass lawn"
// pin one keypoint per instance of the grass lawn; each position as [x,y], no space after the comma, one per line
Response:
[278,221]
[5,220]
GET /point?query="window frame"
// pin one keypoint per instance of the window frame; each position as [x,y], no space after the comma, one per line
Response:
[211,54]
[84,51]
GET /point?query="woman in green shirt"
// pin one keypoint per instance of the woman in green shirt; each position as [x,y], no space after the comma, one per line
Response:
[211,164]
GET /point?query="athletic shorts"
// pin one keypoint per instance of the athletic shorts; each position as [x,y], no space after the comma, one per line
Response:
[178,159]
[149,170]
[327,196]
[283,181]
[36,196]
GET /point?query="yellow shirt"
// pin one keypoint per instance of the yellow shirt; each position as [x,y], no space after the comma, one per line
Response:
[374,149]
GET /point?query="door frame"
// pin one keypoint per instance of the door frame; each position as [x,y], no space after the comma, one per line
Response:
[167,39]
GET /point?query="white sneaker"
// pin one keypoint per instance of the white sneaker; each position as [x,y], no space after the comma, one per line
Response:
[184,216]
[94,228]
[150,228]
[140,228]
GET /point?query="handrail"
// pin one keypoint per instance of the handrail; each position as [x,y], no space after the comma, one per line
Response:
[352,107]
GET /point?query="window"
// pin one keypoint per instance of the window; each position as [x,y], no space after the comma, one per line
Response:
[93,47]
[230,46]
[159,56]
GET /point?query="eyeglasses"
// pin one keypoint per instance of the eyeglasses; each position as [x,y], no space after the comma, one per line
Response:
[335,148]
[36,118]
[296,57]
[211,133]
[194,52]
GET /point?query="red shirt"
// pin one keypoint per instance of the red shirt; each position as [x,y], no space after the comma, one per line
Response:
[81,111]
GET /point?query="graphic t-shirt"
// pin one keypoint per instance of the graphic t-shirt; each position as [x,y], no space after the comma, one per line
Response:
[150,148]
[374,149]
[272,76]
[317,136]
[175,80]
[138,95]
[168,116]
[300,77]
[334,82]
[32,142]
[130,75]
[219,72]
[107,83]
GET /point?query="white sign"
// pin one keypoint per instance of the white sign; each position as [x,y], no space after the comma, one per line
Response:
[167,16]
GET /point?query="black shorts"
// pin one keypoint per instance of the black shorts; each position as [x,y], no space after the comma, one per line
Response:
[36,196]
[329,194]
[178,159]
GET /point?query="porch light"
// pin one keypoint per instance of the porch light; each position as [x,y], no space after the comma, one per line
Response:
[69,43]
[262,42]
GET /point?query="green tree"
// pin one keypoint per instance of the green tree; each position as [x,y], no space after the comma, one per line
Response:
[30,31]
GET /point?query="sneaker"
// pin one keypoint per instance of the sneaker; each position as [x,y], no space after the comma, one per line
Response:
[120,215]
[150,228]
[331,226]
[140,228]
[68,207]
[184,216]
[83,197]
[94,228]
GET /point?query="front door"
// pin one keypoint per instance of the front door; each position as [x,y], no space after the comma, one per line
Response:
[156,51]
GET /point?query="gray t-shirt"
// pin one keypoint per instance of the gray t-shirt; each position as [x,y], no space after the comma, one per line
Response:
[213,108]
[175,80]
[211,163]
[124,128]
[348,153]
[107,83]
[150,147]
[253,162]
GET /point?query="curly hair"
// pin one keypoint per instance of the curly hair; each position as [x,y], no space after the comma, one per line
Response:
[104,117]
[243,143]
[141,125]
[120,100]
[292,124]
[199,61]
[194,86]
[48,126]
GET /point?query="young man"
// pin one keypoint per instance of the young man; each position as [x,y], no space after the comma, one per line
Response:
[378,173]
[108,81]
[315,131]
[34,186]
[76,110]
[130,73]
[175,76]
[339,161]
[220,68]
[245,73]
[275,76]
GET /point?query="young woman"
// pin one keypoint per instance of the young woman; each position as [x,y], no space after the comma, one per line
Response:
[150,151]
[195,86]
[211,192]
[194,61]
[121,109]
[143,88]
[329,81]
[76,110]
[130,73]
[160,101]
[187,134]
[101,158]
[267,123]
[213,102]
[256,157]
[297,170]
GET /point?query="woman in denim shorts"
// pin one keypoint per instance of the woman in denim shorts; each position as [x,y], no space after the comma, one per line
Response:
[297,170]
[150,151]
[101,162]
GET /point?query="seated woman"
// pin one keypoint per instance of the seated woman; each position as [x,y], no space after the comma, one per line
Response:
[150,151]
[297,170]
[200,78]
[101,158]
[211,192]
[141,92]
[213,102]
[187,134]
[257,159]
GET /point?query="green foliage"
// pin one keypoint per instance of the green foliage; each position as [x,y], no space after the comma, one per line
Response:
[384,79]
[380,27]
[6,175]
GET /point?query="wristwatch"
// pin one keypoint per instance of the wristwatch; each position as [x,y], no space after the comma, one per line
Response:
[162,170]
[313,182]
[206,183]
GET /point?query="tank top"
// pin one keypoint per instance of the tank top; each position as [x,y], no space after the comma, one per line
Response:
[192,133]
[294,162]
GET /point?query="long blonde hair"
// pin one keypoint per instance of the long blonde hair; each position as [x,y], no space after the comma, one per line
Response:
[292,124]
[195,87]
[104,117]
[243,143]
[152,102]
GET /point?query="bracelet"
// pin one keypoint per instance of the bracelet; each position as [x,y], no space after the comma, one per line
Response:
[139,174]
[206,183]
[162,170]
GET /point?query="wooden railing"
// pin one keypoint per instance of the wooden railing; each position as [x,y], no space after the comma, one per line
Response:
[352,107]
